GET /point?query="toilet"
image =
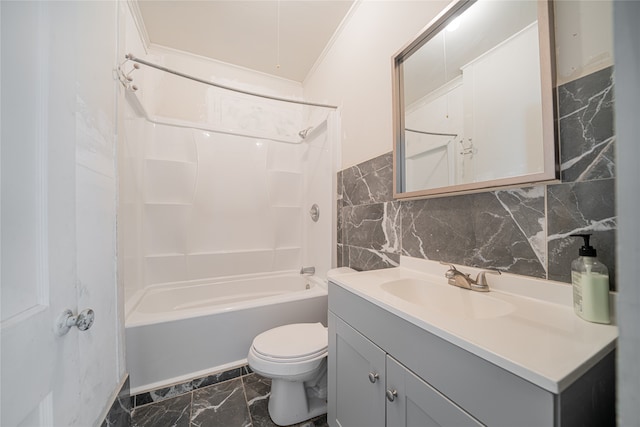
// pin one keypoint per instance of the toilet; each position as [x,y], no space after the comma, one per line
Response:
[294,357]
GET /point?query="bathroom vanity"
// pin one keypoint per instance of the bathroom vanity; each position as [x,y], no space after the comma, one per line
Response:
[406,349]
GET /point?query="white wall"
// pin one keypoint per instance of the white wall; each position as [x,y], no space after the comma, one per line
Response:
[584,38]
[172,96]
[355,73]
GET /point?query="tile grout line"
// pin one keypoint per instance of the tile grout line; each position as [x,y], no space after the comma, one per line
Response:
[191,408]
[246,401]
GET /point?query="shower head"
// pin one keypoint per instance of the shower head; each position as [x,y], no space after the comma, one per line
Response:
[303,133]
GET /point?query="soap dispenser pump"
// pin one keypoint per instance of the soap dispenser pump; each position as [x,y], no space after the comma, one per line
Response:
[590,280]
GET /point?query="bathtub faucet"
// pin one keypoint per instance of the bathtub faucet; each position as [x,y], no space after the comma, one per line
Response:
[308,271]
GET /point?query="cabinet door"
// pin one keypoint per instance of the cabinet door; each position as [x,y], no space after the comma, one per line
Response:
[356,378]
[412,402]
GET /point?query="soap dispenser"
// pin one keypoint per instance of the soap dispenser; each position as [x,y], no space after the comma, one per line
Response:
[590,280]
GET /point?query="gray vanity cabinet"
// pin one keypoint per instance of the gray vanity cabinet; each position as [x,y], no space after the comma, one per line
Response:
[370,388]
[436,383]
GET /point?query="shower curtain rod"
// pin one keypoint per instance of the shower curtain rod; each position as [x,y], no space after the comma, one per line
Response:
[431,133]
[131,57]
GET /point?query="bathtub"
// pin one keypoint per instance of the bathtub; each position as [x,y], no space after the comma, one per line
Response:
[179,331]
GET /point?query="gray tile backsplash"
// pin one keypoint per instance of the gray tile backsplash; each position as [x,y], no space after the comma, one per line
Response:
[586,127]
[368,182]
[522,231]
[580,207]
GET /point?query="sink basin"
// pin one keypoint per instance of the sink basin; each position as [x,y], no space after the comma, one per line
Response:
[448,300]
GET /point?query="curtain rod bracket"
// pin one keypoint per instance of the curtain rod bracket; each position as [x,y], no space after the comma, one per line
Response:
[125,77]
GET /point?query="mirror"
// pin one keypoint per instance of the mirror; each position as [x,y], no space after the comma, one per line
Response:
[473,100]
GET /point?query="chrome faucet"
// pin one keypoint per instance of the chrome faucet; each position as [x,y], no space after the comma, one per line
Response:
[308,271]
[457,278]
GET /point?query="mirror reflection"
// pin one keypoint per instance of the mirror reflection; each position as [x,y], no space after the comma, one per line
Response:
[472,101]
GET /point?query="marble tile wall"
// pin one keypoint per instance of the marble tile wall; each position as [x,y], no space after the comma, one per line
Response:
[522,231]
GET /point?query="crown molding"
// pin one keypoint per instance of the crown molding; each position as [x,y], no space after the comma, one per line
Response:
[136,14]
[333,39]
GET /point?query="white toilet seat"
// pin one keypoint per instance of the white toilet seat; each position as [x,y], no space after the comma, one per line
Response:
[289,342]
[289,350]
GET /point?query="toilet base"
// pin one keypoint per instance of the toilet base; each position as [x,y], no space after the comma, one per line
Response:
[289,403]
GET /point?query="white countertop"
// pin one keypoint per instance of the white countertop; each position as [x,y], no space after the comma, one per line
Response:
[539,338]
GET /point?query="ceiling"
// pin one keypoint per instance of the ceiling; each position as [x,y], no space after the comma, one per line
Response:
[282,38]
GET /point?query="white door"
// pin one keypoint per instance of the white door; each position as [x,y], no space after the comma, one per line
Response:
[52,250]
[38,225]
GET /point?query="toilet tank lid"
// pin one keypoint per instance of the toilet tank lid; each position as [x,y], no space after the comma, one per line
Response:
[292,341]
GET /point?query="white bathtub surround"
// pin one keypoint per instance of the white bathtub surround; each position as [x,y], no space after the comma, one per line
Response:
[201,204]
[172,336]
[211,205]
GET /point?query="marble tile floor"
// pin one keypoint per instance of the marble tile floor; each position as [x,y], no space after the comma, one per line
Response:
[236,402]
